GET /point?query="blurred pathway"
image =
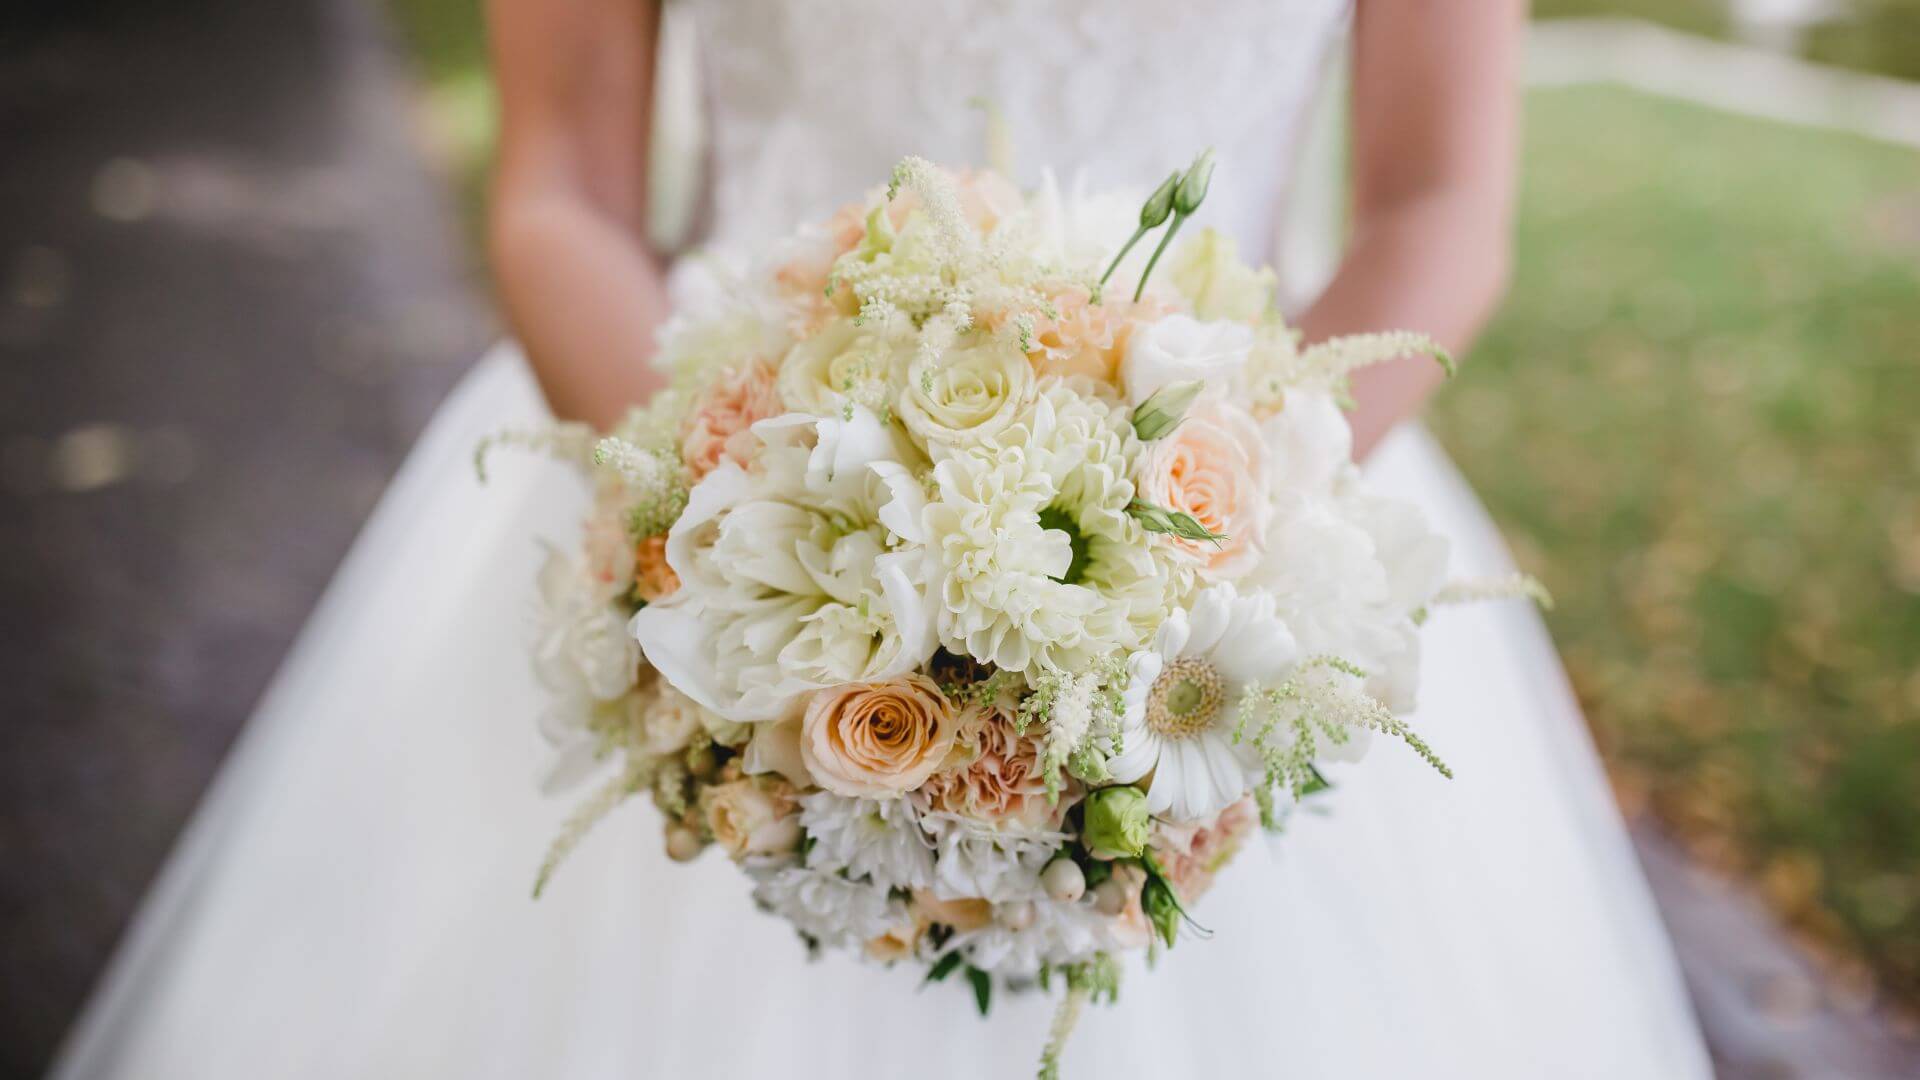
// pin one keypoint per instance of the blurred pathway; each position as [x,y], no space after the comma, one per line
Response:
[228,300]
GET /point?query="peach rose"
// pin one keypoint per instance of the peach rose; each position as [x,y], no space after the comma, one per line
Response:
[1212,467]
[962,915]
[1085,338]
[753,817]
[716,428]
[1192,854]
[1002,779]
[653,579]
[877,740]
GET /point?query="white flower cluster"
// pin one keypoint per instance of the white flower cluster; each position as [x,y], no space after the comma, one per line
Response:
[972,606]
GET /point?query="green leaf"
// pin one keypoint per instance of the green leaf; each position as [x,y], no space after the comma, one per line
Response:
[982,988]
[943,967]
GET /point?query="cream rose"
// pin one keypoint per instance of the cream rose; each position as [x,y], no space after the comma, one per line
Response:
[821,373]
[971,393]
[877,740]
[666,719]
[752,817]
[962,915]
[1180,348]
[899,942]
[1212,467]
[715,429]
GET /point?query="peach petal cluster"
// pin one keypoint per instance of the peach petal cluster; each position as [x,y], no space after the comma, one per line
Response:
[653,579]
[716,428]
[1085,338]
[1003,781]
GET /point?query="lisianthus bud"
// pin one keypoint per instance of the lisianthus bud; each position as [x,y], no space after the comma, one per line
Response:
[1163,411]
[1064,880]
[1117,824]
[1162,907]
[683,844]
[1159,205]
[1192,189]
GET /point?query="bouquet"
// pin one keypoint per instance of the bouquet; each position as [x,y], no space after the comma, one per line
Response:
[979,593]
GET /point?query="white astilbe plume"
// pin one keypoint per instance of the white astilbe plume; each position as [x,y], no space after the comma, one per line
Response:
[1321,709]
[1514,586]
[1281,363]
[939,274]
[655,480]
[565,441]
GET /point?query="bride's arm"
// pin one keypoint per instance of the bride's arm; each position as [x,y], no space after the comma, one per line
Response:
[1435,112]
[581,289]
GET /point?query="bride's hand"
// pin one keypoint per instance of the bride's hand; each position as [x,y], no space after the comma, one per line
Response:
[1435,103]
[582,290]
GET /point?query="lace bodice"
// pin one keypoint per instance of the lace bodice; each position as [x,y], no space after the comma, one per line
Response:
[812,102]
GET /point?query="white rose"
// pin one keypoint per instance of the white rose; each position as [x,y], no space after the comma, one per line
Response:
[1180,348]
[971,393]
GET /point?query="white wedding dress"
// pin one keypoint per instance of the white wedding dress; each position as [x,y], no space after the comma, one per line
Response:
[352,898]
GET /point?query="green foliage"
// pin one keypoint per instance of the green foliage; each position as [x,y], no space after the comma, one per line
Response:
[1695,418]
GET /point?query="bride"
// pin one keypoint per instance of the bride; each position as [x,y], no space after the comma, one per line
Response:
[352,898]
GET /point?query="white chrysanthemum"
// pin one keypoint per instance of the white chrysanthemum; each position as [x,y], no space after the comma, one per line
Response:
[875,839]
[1183,701]
[802,574]
[1037,562]
[828,907]
[997,864]
[1060,933]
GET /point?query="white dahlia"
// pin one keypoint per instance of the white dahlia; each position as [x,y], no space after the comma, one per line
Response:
[1183,702]
[1036,562]
[805,572]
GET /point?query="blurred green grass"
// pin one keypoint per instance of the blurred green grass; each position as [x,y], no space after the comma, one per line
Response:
[1698,418]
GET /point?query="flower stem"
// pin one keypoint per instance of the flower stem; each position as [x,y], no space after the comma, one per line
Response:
[1115,264]
[1178,220]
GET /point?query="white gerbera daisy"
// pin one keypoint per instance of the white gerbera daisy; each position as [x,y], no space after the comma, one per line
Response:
[1036,562]
[878,839]
[1182,702]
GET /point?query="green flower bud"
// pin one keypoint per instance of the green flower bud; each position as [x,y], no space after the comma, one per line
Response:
[1117,824]
[1163,411]
[1162,908]
[1193,186]
[1159,205]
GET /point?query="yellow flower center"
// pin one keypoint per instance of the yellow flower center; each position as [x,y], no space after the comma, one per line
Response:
[1186,699]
